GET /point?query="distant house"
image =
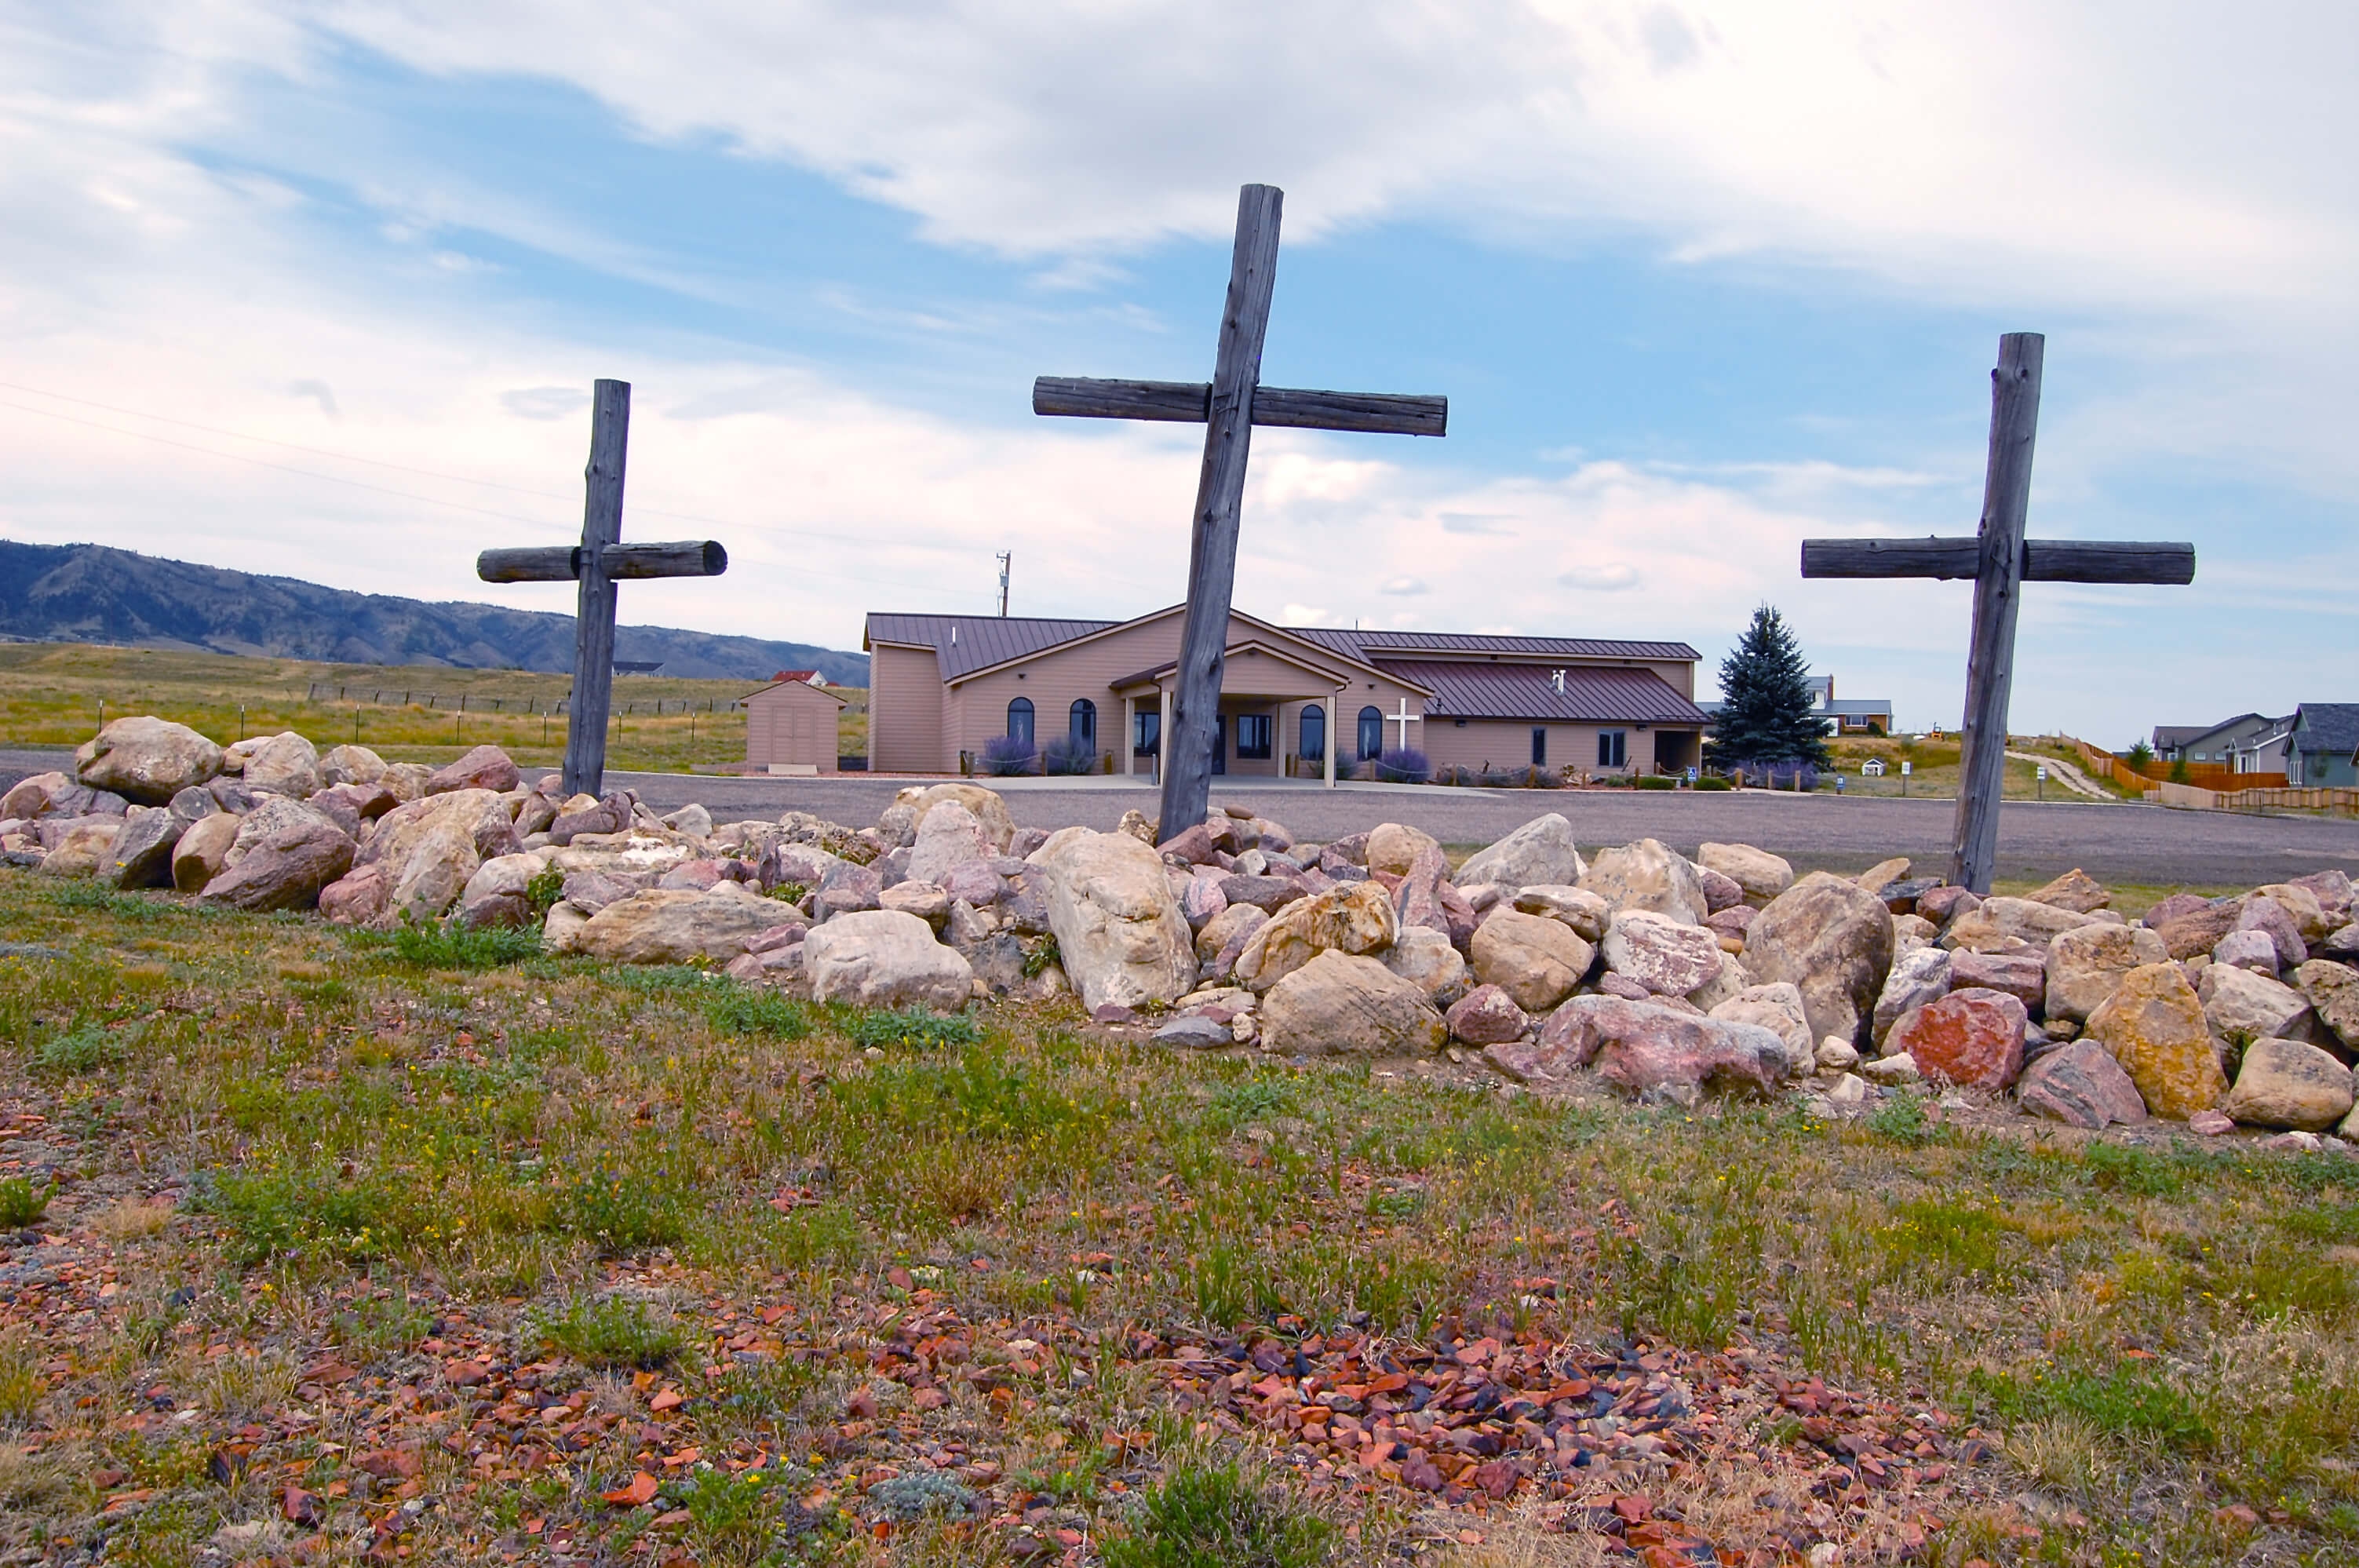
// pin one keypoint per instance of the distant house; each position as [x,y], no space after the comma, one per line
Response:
[2214,745]
[2265,752]
[1855,715]
[790,725]
[2320,746]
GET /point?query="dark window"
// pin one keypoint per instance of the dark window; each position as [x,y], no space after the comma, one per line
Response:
[1612,748]
[1253,734]
[1019,720]
[1081,726]
[1313,746]
[1146,734]
[1220,743]
[1372,733]
[1539,746]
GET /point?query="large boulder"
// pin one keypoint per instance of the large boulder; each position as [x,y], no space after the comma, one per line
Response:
[2332,990]
[2023,975]
[1533,958]
[1759,874]
[1669,957]
[1647,1046]
[2080,1085]
[499,893]
[1541,852]
[2243,1006]
[2287,1084]
[1918,976]
[1341,1004]
[1832,939]
[1394,848]
[679,926]
[350,765]
[1578,908]
[2075,890]
[1778,1007]
[1973,1039]
[1648,875]
[2262,913]
[283,764]
[2154,1025]
[1487,1016]
[431,847]
[1120,933]
[1236,923]
[989,809]
[949,836]
[2000,924]
[2252,950]
[2195,928]
[284,853]
[353,806]
[1425,897]
[145,759]
[1356,918]
[482,767]
[2086,962]
[884,958]
[2311,918]
[84,847]
[141,855]
[203,848]
[1426,958]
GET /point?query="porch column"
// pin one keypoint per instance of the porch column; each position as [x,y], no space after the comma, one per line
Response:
[1163,744]
[1327,701]
[1129,731]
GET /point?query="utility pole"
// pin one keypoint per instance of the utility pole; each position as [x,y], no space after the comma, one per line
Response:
[1007,559]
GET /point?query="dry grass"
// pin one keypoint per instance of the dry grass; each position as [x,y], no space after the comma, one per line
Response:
[373,1153]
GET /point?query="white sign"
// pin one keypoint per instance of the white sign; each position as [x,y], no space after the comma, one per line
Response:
[1906,769]
[2043,773]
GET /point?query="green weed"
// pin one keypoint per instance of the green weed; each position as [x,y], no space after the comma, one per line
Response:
[741,1009]
[1902,1119]
[622,1213]
[21,1203]
[428,944]
[1220,1516]
[2124,1403]
[85,1048]
[610,1331]
[911,1026]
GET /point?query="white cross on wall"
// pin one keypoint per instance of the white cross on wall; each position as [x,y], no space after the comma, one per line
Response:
[1404,718]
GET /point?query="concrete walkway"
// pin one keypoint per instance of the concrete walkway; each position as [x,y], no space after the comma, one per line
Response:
[2073,777]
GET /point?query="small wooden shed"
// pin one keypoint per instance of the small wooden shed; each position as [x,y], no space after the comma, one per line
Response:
[790,725]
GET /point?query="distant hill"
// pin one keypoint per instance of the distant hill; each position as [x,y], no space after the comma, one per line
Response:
[89,593]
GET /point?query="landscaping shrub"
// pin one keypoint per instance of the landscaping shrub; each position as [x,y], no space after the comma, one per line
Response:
[1005,757]
[1401,764]
[1067,757]
[1655,781]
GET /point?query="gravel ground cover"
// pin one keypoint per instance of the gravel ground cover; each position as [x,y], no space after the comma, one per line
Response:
[327,1246]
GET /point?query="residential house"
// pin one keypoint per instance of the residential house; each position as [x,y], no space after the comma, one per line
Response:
[2264,752]
[2214,744]
[943,687]
[790,725]
[1851,715]
[2323,745]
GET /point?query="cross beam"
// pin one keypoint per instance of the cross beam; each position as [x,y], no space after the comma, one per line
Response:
[1999,561]
[597,563]
[1228,406]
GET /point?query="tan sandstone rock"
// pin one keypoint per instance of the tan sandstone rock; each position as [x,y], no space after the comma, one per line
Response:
[1341,1004]
[146,759]
[2287,1083]
[204,844]
[678,925]
[1648,875]
[1535,960]
[2075,890]
[1761,875]
[1395,848]
[883,958]
[1999,922]
[1541,852]
[2243,1006]
[283,854]
[1121,937]
[1356,918]
[1832,939]
[2086,962]
[2154,1025]
[2333,991]
[1669,957]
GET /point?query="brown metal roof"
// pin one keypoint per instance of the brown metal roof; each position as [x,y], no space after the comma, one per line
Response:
[981,640]
[1591,694]
[1372,646]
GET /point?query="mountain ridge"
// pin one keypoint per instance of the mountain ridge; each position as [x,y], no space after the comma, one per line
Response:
[93,592]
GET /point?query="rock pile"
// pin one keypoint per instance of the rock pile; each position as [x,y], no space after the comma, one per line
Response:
[1657,973]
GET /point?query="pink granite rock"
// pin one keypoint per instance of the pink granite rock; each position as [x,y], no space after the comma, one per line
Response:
[1970,1038]
[1487,1016]
[2081,1085]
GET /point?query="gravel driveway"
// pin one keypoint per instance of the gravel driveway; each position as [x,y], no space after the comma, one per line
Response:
[2112,843]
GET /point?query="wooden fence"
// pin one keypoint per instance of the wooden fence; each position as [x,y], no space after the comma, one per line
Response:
[2209,776]
[386,697]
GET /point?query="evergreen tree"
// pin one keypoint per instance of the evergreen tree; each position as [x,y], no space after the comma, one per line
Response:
[1765,688]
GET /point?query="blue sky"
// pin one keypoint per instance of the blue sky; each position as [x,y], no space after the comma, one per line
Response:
[319,290]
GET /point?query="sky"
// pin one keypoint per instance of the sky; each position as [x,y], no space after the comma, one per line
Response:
[319,289]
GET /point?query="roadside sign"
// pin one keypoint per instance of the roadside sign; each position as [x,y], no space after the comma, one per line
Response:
[2043,773]
[1906,769]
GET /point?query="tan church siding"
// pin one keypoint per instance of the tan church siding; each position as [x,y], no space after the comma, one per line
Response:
[905,710]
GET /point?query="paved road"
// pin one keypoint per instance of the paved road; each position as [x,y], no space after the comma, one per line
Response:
[2113,842]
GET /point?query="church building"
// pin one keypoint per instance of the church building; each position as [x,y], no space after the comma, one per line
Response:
[942,687]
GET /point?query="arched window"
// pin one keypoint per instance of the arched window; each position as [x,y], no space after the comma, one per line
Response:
[1019,720]
[1082,725]
[1372,733]
[1313,746]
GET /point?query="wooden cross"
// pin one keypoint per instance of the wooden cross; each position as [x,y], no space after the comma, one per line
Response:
[1228,406]
[597,563]
[1404,718]
[1999,560]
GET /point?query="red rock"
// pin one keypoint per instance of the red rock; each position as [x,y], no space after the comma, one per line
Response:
[641,1489]
[356,898]
[300,1506]
[1938,904]
[485,768]
[2023,975]
[2170,908]
[2266,914]
[1425,898]
[1487,1016]
[1641,1046]
[2211,1124]
[2197,930]
[466,1374]
[1191,846]
[1972,1038]
[2080,1085]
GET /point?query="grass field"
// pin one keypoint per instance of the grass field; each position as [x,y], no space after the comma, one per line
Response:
[374,1248]
[55,694]
[1934,773]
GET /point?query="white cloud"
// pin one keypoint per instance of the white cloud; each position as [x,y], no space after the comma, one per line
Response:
[1405,586]
[1603,577]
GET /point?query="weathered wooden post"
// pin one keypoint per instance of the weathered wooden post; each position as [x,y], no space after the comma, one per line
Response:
[1228,406]
[600,561]
[2000,560]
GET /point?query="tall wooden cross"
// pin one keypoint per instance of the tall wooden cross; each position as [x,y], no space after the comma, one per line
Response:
[2000,561]
[1228,406]
[597,563]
